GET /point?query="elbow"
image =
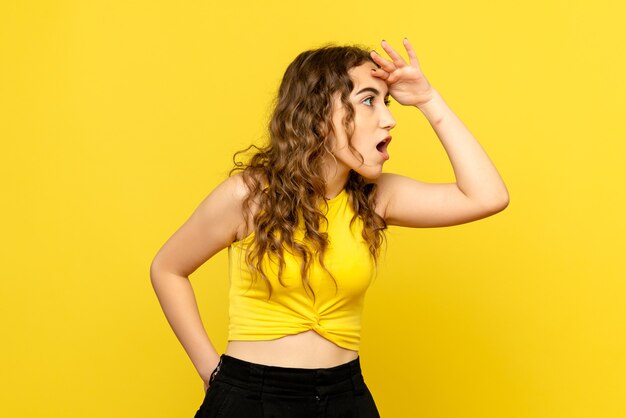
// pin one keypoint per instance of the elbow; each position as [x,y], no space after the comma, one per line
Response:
[161,273]
[504,199]
[157,272]
[497,204]
[503,204]
[492,202]
[154,272]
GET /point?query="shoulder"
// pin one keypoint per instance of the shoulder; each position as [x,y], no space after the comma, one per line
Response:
[233,188]
[226,197]
[222,208]
[213,226]
[237,189]
[386,184]
[395,192]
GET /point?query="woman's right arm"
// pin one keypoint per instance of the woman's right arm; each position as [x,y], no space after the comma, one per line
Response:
[213,226]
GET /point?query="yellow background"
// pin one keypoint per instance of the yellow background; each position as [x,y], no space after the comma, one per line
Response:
[118,117]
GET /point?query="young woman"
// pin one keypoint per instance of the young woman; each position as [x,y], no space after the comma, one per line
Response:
[303,221]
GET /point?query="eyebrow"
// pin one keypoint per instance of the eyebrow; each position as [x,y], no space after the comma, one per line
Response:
[371,90]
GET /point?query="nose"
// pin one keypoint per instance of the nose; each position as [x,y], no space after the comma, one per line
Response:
[386,120]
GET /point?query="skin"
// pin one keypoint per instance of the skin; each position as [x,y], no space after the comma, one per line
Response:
[218,221]
[372,123]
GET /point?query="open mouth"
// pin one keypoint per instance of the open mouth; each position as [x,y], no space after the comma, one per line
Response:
[382,147]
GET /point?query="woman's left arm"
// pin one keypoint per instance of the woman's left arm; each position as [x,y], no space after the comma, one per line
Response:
[479,190]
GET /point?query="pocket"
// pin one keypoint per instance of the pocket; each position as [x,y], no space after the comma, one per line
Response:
[366,406]
[215,372]
[214,400]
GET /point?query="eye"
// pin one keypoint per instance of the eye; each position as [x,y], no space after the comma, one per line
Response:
[368,101]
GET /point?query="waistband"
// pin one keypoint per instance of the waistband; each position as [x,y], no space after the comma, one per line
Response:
[260,378]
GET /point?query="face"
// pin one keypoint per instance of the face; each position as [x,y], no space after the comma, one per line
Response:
[372,125]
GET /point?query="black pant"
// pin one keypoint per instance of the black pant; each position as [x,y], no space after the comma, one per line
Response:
[246,390]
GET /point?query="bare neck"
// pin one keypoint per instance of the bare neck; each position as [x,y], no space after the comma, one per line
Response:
[336,176]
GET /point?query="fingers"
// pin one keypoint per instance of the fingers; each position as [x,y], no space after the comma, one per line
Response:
[383,63]
[396,59]
[380,73]
[409,50]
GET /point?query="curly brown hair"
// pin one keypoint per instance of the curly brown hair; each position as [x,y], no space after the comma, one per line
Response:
[285,177]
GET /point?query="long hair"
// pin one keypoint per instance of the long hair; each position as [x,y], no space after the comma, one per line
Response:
[285,178]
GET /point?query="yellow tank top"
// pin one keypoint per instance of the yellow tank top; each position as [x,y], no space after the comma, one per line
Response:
[335,313]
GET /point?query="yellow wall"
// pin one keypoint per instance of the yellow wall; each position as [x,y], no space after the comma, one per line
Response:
[118,117]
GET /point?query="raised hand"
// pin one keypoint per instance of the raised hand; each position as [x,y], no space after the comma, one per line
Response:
[407,84]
